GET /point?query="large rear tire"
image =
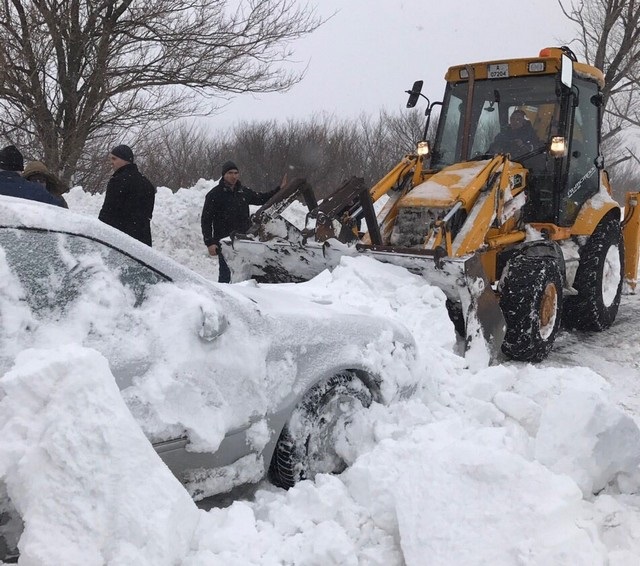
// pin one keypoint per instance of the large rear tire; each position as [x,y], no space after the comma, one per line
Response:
[598,280]
[306,446]
[531,302]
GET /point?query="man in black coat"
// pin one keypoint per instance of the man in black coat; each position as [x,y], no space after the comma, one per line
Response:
[226,210]
[13,184]
[130,197]
[518,138]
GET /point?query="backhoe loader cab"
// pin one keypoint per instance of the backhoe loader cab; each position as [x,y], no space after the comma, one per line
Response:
[508,210]
[562,157]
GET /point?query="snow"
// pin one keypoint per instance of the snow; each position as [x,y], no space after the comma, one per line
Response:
[443,186]
[78,508]
[512,464]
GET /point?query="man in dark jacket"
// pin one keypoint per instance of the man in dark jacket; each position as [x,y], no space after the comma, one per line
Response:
[226,210]
[130,197]
[14,185]
[518,138]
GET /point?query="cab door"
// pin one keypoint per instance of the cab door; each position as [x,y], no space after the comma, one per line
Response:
[581,180]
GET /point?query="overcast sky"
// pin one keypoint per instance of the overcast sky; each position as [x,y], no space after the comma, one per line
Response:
[371,51]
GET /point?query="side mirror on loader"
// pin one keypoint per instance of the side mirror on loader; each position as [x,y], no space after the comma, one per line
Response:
[566,71]
[414,93]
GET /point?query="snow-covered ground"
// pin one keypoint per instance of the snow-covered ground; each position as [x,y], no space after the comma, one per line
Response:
[510,465]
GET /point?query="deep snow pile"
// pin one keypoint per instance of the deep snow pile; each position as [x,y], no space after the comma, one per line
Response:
[85,499]
[509,465]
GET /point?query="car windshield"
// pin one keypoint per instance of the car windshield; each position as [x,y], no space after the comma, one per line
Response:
[493,103]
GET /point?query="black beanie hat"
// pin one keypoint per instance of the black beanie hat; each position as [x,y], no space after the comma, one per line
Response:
[123,152]
[11,159]
[227,166]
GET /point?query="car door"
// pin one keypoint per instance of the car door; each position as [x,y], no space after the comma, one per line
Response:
[60,286]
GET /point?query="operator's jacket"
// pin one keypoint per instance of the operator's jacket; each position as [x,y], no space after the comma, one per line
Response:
[226,210]
[128,203]
[13,184]
[506,140]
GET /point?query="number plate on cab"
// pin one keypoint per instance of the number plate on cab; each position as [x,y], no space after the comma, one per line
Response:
[498,71]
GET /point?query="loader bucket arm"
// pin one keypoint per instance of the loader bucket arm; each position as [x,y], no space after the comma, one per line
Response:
[354,201]
[284,197]
[351,202]
[410,163]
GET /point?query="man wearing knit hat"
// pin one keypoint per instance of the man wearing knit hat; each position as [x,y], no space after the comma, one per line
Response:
[37,172]
[226,210]
[14,185]
[130,197]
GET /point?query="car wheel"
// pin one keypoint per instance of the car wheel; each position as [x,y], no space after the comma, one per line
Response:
[598,280]
[531,302]
[306,446]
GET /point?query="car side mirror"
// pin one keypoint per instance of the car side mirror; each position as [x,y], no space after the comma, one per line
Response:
[213,324]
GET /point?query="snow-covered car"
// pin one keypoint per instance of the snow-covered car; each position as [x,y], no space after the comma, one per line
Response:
[230,383]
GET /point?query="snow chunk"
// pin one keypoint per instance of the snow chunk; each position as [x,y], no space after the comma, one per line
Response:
[587,438]
[87,483]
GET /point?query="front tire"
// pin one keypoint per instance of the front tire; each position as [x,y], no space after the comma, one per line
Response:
[598,280]
[306,446]
[531,302]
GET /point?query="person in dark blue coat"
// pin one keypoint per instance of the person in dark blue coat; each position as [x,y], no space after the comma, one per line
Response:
[12,184]
[37,172]
[130,197]
[226,210]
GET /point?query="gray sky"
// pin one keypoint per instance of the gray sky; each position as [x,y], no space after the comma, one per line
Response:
[371,51]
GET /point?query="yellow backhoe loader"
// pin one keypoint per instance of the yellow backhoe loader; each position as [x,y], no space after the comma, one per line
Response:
[520,234]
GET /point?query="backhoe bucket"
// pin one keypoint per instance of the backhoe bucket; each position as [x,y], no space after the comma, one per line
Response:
[294,259]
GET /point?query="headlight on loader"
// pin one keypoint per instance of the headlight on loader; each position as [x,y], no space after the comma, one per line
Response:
[423,148]
[558,146]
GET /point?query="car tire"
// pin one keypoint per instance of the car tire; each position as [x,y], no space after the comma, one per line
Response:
[306,445]
[531,302]
[598,280]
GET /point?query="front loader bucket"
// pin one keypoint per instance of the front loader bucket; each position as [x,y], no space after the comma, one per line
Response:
[463,280]
[280,260]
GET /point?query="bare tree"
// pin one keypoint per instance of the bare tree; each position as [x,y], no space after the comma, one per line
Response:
[625,177]
[403,130]
[324,150]
[79,71]
[309,149]
[178,156]
[609,39]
